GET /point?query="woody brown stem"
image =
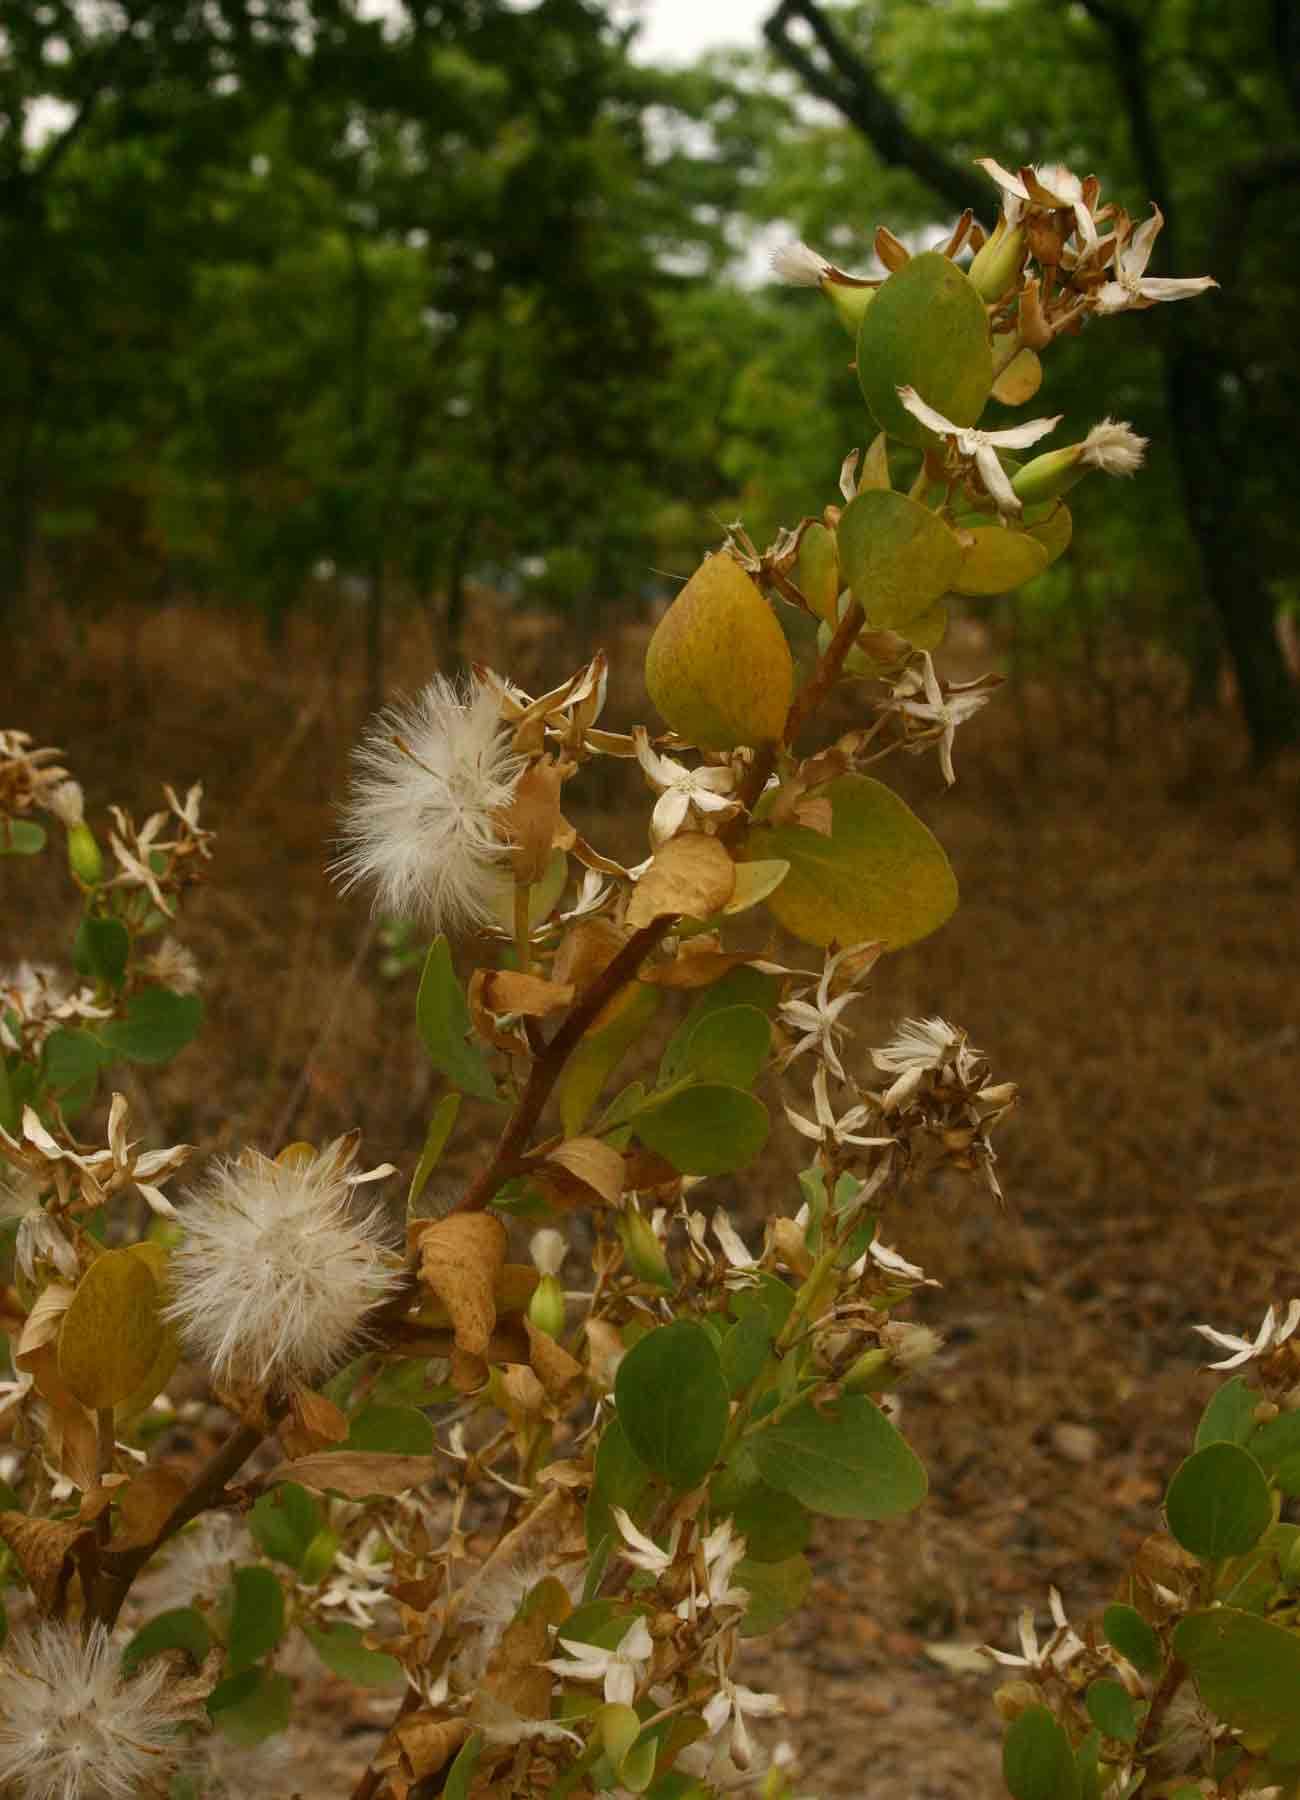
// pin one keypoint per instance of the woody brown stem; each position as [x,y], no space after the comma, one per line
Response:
[119,1568]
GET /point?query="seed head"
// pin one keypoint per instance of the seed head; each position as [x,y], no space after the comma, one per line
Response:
[430,779]
[71,1728]
[278,1268]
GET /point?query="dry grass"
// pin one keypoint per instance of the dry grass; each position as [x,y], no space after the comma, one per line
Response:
[1126,949]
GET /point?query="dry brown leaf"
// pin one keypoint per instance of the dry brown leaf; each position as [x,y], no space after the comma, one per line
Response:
[507,991]
[461,1259]
[586,951]
[604,1351]
[74,1446]
[559,1373]
[514,1675]
[596,1164]
[691,875]
[44,1550]
[146,1505]
[313,1423]
[468,1371]
[523,1390]
[428,1743]
[356,1474]
[532,818]
[44,1321]
[699,963]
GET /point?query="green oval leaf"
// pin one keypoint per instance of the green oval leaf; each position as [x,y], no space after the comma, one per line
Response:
[1218,1502]
[21,837]
[774,1526]
[251,1707]
[881,874]
[400,1429]
[1037,1761]
[619,1478]
[443,1020]
[180,1629]
[927,328]
[1230,1417]
[744,1350]
[157,1026]
[256,1617]
[706,1130]
[1128,1632]
[340,1648]
[775,1589]
[435,1142]
[744,986]
[1275,1446]
[1112,1711]
[848,1463]
[672,1401]
[284,1522]
[1247,1669]
[101,949]
[897,557]
[729,1045]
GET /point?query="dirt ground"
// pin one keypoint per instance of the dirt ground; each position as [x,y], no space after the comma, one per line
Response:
[1126,949]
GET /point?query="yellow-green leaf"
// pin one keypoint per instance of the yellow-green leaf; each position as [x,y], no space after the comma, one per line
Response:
[819,570]
[718,667]
[111,1331]
[896,556]
[881,874]
[1021,379]
[927,328]
[1054,532]
[998,560]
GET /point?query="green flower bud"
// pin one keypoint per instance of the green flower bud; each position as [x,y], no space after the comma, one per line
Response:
[85,858]
[644,1252]
[872,1373]
[850,300]
[1112,446]
[546,1308]
[997,265]
[318,1557]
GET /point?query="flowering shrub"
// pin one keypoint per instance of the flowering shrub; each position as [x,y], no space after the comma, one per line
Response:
[646,1444]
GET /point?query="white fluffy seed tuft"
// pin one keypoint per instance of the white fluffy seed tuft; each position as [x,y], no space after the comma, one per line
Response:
[278,1268]
[71,1728]
[430,777]
[1114,448]
[799,266]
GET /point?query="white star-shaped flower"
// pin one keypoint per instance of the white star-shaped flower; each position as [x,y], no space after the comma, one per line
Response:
[733,1702]
[1060,1648]
[826,1128]
[817,1020]
[894,1264]
[1270,1336]
[621,1669]
[708,790]
[983,446]
[1133,287]
[945,715]
[642,1551]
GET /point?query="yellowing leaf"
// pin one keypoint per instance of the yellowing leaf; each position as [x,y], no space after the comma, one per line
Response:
[998,560]
[754,882]
[596,1164]
[111,1332]
[896,556]
[691,874]
[819,570]
[718,667]
[1054,532]
[881,875]
[1021,379]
